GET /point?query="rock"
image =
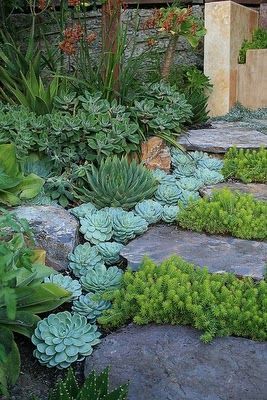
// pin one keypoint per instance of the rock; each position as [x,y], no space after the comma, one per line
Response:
[171,363]
[221,136]
[155,154]
[55,230]
[258,190]
[218,253]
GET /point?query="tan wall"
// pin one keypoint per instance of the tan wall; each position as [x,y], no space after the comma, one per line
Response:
[252,80]
[227,24]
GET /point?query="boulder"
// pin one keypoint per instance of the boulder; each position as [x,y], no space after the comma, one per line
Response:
[258,190]
[155,154]
[164,362]
[55,230]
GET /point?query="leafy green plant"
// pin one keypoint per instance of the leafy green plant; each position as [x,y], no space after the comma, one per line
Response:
[14,186]
[94,387]
[118,183]
[246,165]
[226,212]
[175,292]
[64,338]
[22,294]
[258,41]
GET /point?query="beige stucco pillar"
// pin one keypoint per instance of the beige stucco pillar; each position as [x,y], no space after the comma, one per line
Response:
[227,24]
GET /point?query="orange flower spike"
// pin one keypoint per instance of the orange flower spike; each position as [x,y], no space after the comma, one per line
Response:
[74,3]
[91,37]
[151,42]
[41,4]
[67,47]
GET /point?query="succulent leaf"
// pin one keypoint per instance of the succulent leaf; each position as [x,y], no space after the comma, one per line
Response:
[66,282]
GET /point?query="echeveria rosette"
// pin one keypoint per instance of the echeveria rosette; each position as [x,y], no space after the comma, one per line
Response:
[169,214]
[209,177]
[83,258]
[102,279]
[187,196]
[168,194]
[90,307]
[97,227]
[179,158]
[163,178]
[64,338]
[110,251]
[83,210]
[71,285]
[211,163]
[128,225]
[185,171]
[197,156]
[190,184]
[150,210]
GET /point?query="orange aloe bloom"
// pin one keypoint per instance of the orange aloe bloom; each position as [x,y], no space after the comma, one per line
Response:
[74,3]
[67,47]
[41,4]
[91,37]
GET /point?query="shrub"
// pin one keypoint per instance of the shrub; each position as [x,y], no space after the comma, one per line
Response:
[246,165]
[118,183]
[226,212]
[258,41]
[177,293]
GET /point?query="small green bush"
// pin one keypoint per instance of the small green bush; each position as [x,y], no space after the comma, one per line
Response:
[246,165]
[177,293]
[226,212]
[259,41]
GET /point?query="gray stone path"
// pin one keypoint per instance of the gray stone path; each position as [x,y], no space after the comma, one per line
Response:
[221,136]
[218,253]
[171,363]
[258,190]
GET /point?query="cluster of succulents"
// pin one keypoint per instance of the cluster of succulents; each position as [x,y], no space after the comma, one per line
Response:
[66,282]
[64,338]
[90,307]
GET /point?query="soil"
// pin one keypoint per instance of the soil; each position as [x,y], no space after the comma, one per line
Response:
[35,381]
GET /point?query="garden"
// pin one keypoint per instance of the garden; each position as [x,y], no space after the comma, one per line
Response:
[133,226]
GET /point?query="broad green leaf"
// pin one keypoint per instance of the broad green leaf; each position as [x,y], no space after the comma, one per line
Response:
[8,161]
[9,361]
[30,186]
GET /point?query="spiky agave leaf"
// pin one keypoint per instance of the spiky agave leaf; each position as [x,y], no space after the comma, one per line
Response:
[118,183]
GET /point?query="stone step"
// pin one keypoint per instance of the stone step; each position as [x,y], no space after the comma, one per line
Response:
[218,253]
[164,362]
[221,136]
[258,190]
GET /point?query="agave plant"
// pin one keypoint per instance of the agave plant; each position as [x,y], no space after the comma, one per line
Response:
[62,339]
[97,227]
[90,307]
[83,210]
[118,183]
[169,213]
[102,279]
[168,194]
[94,387]
[66,282]
[110,252]
[128,225]
[150,210]
[84,258]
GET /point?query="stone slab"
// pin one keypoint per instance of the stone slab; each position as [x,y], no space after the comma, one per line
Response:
[171,363]
[218,253]
[221,136]
[55,230]
[258,190]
